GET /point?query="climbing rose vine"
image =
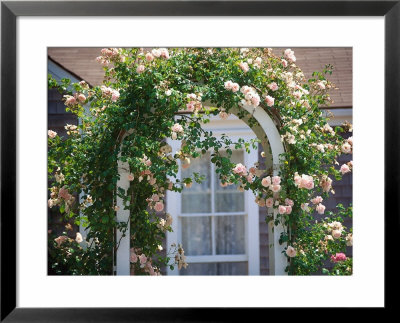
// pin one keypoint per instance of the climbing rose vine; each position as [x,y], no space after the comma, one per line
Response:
[150,96]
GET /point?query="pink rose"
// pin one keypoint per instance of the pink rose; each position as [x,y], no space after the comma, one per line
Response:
[346,148]
[317,200]
[288,209]
[282,209]
[269,100]
[164,53]
[81,98]
[244,67]
[273,86]
[289,202]
[228,85]
[250,178]
[133,256]
[140,69]
[143,259]
[338,257]
[275,188]
[177,128]
[336,234]
[114,95]
[269,202]
[320,208]
[289,55]
[344,169]
[130,177]
[276,180]
[149,57]
[284,63]
[266,181]
[291,252]
[52,134]
[240,169]
[235,87]
[159,206]
[190,106]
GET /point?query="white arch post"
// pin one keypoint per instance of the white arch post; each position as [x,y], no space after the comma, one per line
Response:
[277,260]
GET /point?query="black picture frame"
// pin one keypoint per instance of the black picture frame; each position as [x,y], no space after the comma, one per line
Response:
[10,10]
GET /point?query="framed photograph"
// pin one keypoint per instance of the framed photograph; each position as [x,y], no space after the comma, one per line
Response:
[236,253]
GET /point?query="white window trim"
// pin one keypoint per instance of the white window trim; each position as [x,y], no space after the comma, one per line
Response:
[235,129]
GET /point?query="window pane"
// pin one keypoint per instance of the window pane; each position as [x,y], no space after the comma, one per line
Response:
[228,198]
[197,199]
[230,235]
[222,268]
[196,235]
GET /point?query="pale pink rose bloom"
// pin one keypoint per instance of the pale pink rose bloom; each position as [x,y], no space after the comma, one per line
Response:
[350,140]
[289,55]
[156,52]
[52,134]
[269,100]
[177,128]
[155,197]
[288,209]
[250,178]
[149,57]
[60,240]
[70,100]
[152,181]
[297,179]
[320,208]
[273,86]
[81,98]
[321,85]
[284,63]
[291,252]
[143,259]
[174,136]
[344,169]
[50,203]
[140,69]
[317,200]
[326,184]
[346,148]
[78,238]
[159,206]
[63,193]
[114,95]
[164,53]
[258,60]
[244,67]
[266,181]
[282,209]
[130,177]
[235,87]
[240,169]
[336,233]
[255,100]
[133,256]
[275,188]
[228,85]
[190,106]
[289,202]
[269,202]
[276,180]
[148,162]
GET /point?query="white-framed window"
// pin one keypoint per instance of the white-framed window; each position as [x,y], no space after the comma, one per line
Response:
[218,226]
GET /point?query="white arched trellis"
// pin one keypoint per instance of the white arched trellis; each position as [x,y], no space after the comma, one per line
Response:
[267,132]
